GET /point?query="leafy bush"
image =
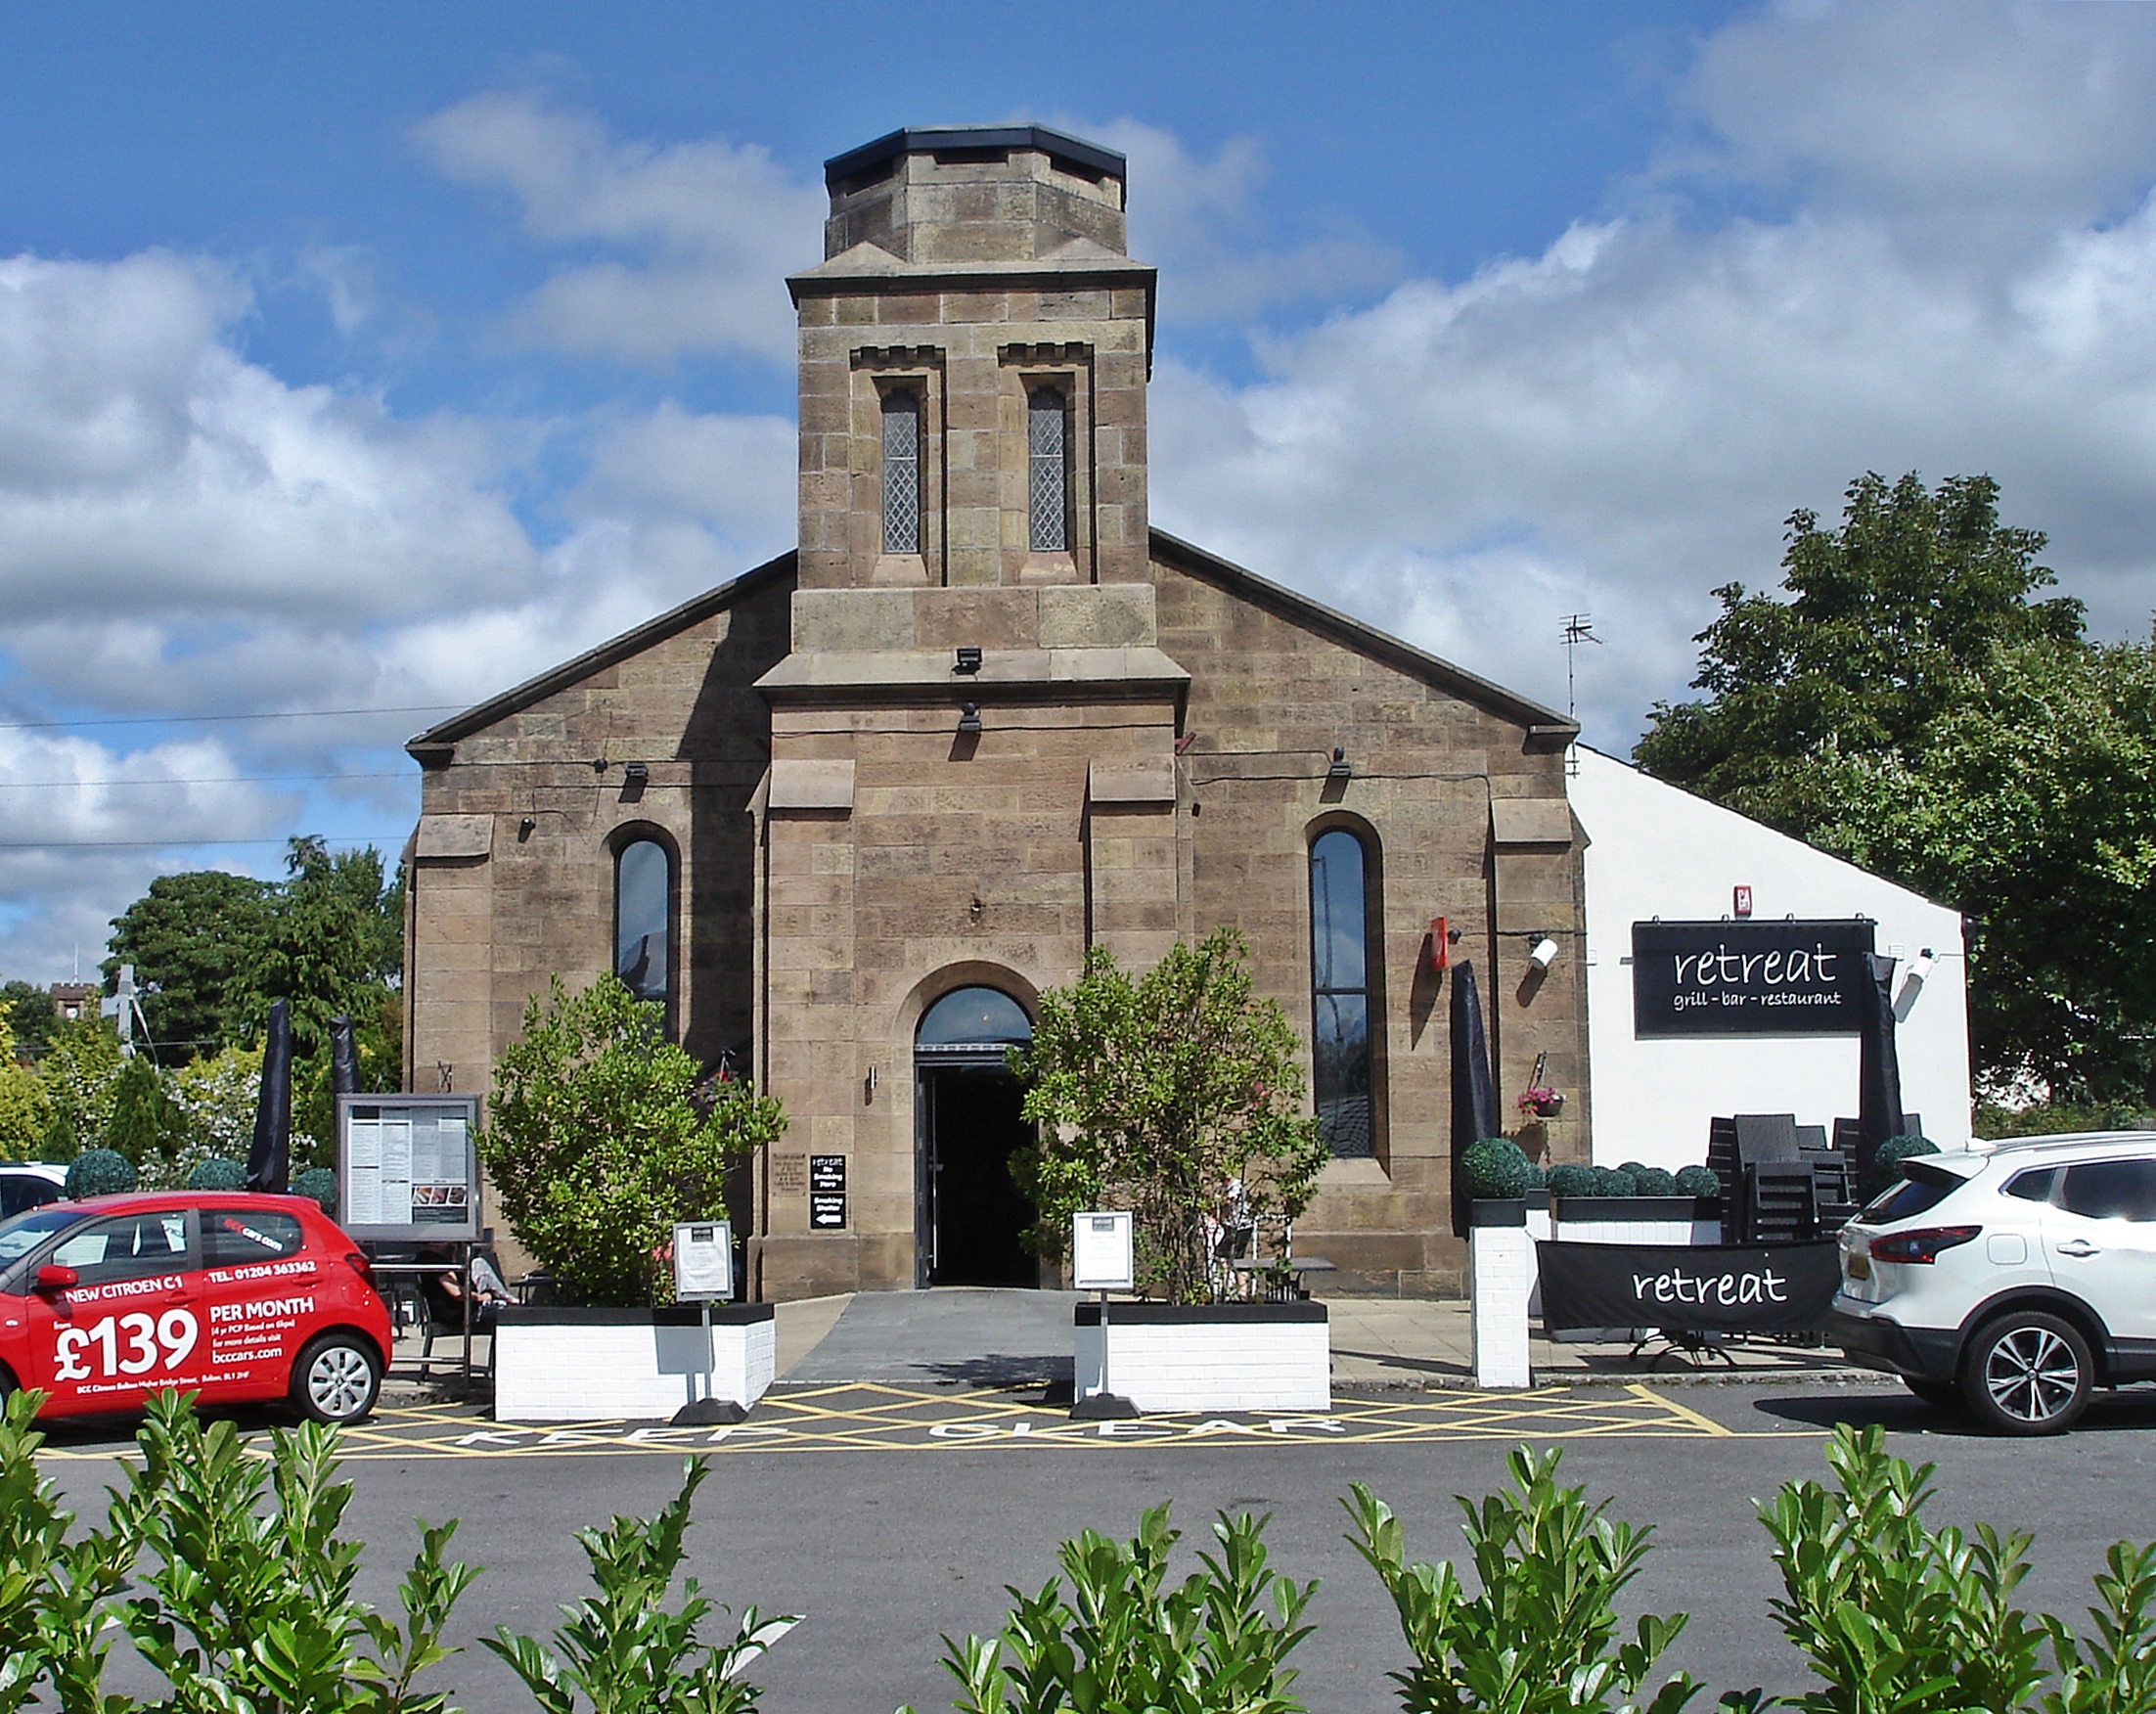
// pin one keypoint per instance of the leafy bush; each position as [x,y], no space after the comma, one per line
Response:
[1174,1094]
[604,1134]
[1572,1180]
[1542,1635]
[1495,1167]
[1697,1181]
[622,1650]
[1126,1642]
[1614,1181]
[218,1173]
[1655,1181]
[1886,1162]
[99,1172]
[319,1184]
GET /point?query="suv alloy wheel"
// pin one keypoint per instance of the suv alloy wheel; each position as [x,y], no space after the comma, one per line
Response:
[2028,1373]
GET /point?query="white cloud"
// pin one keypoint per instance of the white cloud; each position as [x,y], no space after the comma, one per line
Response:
[708,231]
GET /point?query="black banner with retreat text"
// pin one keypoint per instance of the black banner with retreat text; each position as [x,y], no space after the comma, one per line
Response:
[1723,1287]
[1748,977]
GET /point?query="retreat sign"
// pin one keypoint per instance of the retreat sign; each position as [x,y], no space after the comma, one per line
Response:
[1723,1287]
[1748,978]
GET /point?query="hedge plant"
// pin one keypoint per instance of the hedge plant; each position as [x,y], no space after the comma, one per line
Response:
[318,1184]
[1494,1169]
[1886,1162]
[218,1173]
[99,1172]
[1572,1180]
[1697,1181]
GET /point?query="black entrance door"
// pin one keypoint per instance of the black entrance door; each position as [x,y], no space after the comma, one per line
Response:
[972,1215]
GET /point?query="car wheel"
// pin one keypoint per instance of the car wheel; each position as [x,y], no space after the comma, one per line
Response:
[336,1378]
[1943,1393]
[2028,1374]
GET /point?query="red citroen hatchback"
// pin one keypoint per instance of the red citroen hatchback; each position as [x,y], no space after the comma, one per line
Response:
[237,1297]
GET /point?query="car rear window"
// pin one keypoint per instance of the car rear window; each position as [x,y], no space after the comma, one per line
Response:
[232,1237]
[1921,1189]
[2111,1190]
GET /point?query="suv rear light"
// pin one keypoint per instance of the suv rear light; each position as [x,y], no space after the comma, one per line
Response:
[1923,1245]
[360,1265]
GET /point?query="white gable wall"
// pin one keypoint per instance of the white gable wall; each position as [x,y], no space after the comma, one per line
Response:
[1655,850]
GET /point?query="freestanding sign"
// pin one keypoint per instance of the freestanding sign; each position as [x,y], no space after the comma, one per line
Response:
[408,1167]
[1101,1258]
[1748,978]
[703,1261]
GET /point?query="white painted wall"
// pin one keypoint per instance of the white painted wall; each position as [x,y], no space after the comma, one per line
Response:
[1657,851]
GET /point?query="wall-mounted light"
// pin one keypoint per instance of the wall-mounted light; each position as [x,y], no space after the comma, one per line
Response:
[1543,954]
[637,773]
[968,660]
[1340,769]
[969,717]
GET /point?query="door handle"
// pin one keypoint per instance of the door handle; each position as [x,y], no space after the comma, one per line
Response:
[2077,1246]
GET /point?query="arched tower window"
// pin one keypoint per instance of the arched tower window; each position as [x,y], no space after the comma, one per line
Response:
[1048,466]
[902,473]
[1341,1077]
[972,1017]
[644,920]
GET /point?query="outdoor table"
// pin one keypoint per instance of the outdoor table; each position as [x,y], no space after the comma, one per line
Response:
[1296,1267]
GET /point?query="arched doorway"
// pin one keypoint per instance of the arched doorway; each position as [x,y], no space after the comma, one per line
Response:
[969,1214]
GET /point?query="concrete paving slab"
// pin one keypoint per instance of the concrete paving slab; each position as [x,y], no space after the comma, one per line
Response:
[955,1335]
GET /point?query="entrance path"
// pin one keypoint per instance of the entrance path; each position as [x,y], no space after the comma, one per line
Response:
[993,1337]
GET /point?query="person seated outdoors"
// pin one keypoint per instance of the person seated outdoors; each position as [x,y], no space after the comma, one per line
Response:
[444,1292]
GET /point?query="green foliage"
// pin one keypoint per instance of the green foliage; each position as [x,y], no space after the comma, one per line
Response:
[24,1112]
[1886,1161]
[2057,1118]
[81,1077]
[217,1096]
[1893,1616]
[319,1183]
[193,940]
[1697,1181]
[1127,1639]
[1542,1636]
[31,1017]
[147,1125]
[1655,1181]
[1615,1181]
[99,1172]
[604,1134]
[1176,1095]
[1495,1167]
[622,1650]
[1572,1179]
[218,1173]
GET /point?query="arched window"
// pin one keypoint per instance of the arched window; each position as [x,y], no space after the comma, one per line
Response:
[1047,465]
[644,919]
[902,473]
[1341,1078]
[972,1017]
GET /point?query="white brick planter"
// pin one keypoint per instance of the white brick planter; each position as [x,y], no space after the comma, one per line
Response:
[633,1365]
[1208,1356]
[1634,1220]
[1500,1260]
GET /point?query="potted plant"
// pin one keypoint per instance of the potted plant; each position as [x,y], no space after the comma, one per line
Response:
[602,1135]
[1176,1095]
[1540,1104]
[1497,1179]
[1632,1204]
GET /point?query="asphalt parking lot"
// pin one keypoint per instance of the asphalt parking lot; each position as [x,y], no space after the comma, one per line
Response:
[890,1516]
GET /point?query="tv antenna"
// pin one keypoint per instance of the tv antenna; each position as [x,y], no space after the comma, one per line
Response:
[1578,628]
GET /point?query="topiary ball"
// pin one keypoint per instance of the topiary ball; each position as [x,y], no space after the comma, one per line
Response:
[1537,1178]
[1634,1167]
[1886,1163]
[1653,1181]
[1697,1181]
[1614,1181]
[99,1172]
[320,1184]
[1571,1180]
[218,1173]
[1494,1167]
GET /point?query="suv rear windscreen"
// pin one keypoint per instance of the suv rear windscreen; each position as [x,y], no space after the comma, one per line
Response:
[1921,1189]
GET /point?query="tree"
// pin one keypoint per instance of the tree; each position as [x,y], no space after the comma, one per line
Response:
[31,1016]
[80,1075]
[24,1112]
[1176,1095]
[144,1126]
[195,940]
[604,1133]
[1891,620]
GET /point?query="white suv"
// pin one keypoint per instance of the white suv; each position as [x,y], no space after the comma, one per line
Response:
[2012,1277]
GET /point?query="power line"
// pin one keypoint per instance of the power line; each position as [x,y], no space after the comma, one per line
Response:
[173,844]
[204,719]
[195,780]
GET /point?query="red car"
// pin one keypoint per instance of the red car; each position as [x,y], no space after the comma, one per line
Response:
[239,1296]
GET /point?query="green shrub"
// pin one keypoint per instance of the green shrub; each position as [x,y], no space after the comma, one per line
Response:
[1653,1181]
[1886,1163]
[1495,1167]
[99,1172]
[1538,1178]
[319,1183]
[1572,1180]
[1615,1181]
[1540,1636]
[218,1173]
[1125,1641]
[1697,1181]
[622,1648]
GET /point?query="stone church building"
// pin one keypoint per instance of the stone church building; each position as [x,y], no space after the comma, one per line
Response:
[847,815]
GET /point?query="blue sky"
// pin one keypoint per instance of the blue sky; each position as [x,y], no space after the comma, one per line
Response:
[370,358]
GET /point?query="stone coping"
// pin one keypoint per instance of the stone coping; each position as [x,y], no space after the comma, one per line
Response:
[674,1315]
[1162,1315]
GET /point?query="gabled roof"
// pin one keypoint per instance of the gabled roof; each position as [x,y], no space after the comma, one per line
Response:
[1300,609]
[608,654]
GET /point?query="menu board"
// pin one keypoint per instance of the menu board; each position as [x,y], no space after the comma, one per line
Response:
[407,1165]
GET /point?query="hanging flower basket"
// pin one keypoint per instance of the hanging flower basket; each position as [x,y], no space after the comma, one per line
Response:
[1541,1103]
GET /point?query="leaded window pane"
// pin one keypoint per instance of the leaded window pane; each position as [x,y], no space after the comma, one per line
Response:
[1050,467]
[901,472]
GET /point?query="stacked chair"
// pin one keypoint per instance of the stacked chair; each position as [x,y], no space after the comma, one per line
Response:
[1782,1182]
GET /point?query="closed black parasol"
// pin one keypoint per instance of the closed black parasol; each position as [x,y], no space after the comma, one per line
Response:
[1475,1095]
[269,1161]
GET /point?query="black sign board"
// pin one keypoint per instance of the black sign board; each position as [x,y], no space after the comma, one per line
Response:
[828,1172]
[1748,978]
[1722,1287]
[826,1211]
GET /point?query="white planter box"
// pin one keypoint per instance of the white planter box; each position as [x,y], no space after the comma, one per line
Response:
[1633,1220]
[1218,1357]
[628,1365]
